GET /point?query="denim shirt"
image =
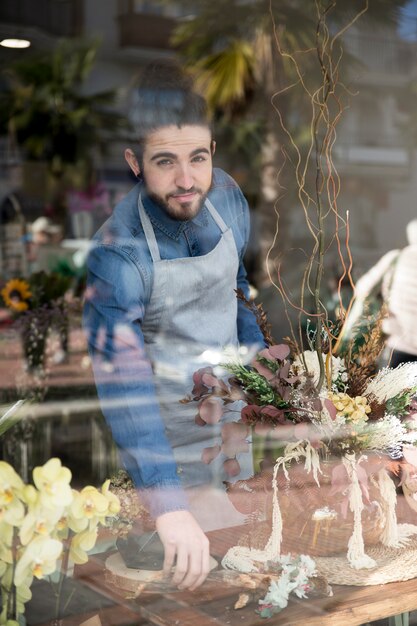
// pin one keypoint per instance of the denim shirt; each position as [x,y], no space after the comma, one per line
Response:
[119,287]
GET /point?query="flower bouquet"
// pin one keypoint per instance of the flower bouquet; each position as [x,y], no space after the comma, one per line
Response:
[333,451]
[37,304]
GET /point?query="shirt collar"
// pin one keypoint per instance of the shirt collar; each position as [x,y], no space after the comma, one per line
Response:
[165,223]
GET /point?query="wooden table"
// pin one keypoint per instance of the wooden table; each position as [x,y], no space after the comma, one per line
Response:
[213,603]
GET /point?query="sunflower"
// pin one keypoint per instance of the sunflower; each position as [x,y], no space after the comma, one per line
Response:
[16,293]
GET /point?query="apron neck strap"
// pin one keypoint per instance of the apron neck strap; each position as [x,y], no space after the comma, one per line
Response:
[215,215]
[149,231]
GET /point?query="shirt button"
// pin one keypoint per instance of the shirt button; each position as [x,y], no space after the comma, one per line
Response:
[179,469]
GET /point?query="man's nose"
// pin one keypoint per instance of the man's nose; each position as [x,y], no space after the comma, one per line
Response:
[184,178]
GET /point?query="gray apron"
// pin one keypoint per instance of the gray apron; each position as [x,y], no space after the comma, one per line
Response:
[193,312]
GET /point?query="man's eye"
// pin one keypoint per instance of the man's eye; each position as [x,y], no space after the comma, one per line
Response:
[164,162]
[199,159]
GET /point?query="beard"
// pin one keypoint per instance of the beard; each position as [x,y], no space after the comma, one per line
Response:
[179,211]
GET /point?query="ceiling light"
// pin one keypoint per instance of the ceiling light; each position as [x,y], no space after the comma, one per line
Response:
[15,43]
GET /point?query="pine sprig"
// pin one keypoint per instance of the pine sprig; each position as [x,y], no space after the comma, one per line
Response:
[254,384]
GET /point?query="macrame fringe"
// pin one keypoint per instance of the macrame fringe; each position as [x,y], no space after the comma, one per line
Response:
[356,548]
[389,501]
[243,559]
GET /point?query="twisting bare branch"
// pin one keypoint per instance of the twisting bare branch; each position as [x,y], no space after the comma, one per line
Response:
[318,199]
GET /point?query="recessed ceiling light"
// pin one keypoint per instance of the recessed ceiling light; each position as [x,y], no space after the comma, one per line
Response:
[15,43]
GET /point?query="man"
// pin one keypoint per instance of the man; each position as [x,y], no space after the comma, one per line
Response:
[163,274]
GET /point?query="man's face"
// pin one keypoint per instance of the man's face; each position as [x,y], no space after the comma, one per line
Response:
[177,168]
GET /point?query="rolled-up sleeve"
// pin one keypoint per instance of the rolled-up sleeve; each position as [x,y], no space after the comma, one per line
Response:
[113,313]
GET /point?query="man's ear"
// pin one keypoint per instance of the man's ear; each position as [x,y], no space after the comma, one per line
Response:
[213,147]
[132,161]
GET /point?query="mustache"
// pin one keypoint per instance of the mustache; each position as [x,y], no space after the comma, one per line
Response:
[180,191]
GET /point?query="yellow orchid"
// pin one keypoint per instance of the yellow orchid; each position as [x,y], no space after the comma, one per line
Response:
[38,559]
[6,553]
[78,524]
[12,514]
[15,294]
[53,481]
[89,504]
[39,521]
[23,595]
[112,499]
[6,586]
[10,483]
[11,489]
[6,533]
[30,495]
[6,558]
[61,528]
[81,544]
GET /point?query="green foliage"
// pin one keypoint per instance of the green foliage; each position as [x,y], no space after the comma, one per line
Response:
[47,288]
[44,106]
[225,76]
[400,404]
[254,383]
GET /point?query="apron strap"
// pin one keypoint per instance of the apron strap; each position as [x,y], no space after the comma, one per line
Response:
[215,215]
[149,231]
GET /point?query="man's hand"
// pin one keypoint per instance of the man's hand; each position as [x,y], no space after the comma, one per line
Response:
[182,537]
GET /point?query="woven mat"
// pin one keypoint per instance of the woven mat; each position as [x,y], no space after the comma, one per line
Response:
[393,565]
